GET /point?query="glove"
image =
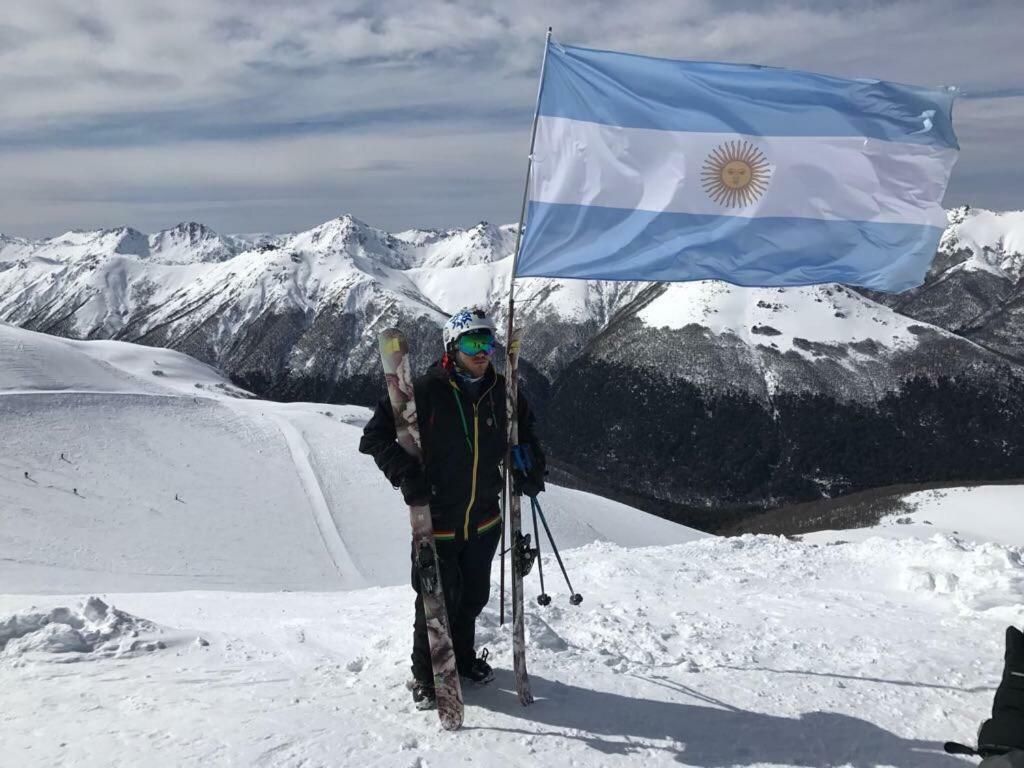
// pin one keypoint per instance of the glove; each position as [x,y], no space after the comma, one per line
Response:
[416,489]
[527,484]
[527,479]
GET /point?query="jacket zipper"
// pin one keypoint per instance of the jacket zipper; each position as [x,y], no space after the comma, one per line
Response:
[476,454]
[476,460]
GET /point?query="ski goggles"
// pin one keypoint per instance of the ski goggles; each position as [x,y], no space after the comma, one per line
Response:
[473,343]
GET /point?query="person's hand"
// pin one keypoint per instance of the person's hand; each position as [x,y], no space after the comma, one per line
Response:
[527,484]
[416,489]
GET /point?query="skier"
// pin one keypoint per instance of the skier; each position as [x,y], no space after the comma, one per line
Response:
[460,411]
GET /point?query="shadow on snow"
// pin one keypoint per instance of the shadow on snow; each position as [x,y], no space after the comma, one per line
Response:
[714,736]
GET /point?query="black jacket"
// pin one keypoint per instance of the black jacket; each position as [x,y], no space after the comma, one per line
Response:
[463,446]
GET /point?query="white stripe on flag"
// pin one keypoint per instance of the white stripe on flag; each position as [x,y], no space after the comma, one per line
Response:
[828,178]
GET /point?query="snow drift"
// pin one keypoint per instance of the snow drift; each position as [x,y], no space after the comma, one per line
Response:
[94,630]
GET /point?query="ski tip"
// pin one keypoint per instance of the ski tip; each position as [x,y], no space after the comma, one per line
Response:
[452,722]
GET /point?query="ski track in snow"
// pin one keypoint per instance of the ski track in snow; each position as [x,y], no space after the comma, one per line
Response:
[333,542]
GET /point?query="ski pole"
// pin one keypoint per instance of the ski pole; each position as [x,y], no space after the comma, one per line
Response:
[575,597]
[504,507]
[543,598]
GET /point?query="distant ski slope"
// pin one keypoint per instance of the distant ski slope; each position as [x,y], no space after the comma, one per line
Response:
[269,496]
[986,513]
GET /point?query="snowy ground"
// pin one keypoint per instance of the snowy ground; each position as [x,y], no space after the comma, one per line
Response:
[138,629]
[720,652]
[982,513]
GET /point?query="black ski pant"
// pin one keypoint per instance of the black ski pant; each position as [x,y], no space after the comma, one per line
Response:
[466,580]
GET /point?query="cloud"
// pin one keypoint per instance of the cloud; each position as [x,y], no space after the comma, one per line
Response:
[141,106]
[280,184]
[95,28]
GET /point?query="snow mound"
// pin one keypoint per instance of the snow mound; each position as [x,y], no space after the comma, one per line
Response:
[972,578]
[93,631]
[977,577]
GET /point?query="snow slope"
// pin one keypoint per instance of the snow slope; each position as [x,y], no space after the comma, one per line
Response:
[34,362]
[993,513]
[171,478]
[754,651]
[776,317]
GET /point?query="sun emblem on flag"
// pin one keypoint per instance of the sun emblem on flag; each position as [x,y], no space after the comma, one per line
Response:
[736,174]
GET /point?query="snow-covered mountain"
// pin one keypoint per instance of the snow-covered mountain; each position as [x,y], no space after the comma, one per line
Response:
[287,314]
[185,243]
[290,316]
[975,287]
[191,242]
[294,317]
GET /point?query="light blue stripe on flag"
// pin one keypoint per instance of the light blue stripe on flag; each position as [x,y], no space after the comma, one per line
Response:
[592,242]
[642,92]
[650,169]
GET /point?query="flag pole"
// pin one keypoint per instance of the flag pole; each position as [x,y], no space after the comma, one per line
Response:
[526,185]
[512,386]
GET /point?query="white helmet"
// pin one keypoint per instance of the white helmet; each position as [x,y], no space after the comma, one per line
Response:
[466,319]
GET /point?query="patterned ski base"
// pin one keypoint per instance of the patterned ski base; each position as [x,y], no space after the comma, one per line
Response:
[394,354]
[515,520]
[518,627]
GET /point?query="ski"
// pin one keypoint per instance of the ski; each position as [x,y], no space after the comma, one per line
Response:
[520,544]
[394,354]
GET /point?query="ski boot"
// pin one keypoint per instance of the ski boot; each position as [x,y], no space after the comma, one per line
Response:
[477,669]
[423,695]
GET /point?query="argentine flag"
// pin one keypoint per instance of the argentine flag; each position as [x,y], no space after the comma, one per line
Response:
[652,169]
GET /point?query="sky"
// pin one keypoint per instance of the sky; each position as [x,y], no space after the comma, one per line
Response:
[277,115]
